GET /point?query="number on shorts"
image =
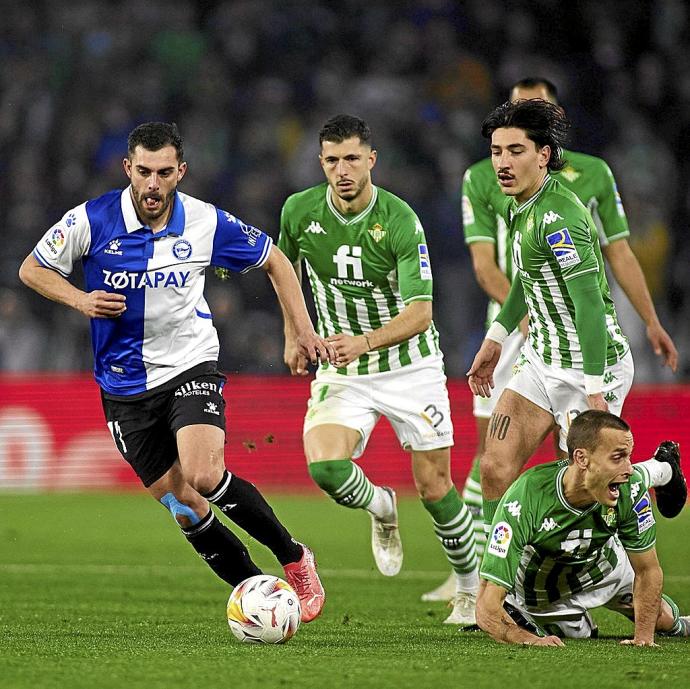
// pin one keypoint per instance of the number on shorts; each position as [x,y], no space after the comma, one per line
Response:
[432,413]
[116,432]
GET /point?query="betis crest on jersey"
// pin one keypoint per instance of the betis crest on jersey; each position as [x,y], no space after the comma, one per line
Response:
[377,232]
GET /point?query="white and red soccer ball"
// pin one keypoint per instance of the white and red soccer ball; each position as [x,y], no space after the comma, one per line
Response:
[263,609]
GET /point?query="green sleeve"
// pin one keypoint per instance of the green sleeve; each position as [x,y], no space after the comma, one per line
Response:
[511,530]
[478,217]
[590,321]
[637,527]
[412,259]
[514,307]
[571,239]
[286,242]
[609,213]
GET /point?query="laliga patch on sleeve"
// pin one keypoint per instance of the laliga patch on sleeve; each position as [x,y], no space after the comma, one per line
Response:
[501,536]
[645,516]
[424,262]
[563,248]
[55,241]
[467,211]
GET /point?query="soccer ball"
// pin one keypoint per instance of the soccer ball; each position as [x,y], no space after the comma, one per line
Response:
[263,610]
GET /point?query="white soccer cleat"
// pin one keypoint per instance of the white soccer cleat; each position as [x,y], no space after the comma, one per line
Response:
[443,593]
[464,610]
[385,541]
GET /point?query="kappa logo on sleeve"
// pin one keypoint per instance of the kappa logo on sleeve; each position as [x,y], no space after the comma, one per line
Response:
[424,262]
[501,536]
[645,516]
[563,248]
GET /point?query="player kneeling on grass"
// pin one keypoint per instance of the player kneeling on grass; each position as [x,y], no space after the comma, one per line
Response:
[573,535]
[144,250]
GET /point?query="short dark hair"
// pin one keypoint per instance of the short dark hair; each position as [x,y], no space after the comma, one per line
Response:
[585,428]
[342,127]
[155,135]
[534,82]
[543,122]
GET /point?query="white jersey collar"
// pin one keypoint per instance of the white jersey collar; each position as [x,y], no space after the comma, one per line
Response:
[357,218]
[534,196]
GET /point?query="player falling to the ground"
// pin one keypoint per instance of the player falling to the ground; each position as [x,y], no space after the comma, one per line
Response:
[573,535]
[486,234]
[144,250]
[368,266]
[575,356]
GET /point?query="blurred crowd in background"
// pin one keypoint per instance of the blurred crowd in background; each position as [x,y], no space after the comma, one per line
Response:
[250,83]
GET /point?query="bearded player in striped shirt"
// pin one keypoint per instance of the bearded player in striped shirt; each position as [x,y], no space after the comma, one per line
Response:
[575,356]
[368,267]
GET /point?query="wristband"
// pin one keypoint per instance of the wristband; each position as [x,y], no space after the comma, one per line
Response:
[366,337]
[497,333]
[593,384]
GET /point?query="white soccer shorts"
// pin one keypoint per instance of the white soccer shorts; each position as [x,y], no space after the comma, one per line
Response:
[413,398]
[483,407]
[561,391]
[571,615]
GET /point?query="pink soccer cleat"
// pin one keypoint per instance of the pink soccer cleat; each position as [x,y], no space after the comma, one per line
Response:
[302,576]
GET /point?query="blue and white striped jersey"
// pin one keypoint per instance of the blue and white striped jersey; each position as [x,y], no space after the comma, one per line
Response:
[167,327]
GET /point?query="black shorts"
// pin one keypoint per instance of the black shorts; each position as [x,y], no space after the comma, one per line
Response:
[144,427]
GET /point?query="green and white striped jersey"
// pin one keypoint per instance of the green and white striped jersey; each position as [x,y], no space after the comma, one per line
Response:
[363,269]
[543,549]
[484,206]
[554,240]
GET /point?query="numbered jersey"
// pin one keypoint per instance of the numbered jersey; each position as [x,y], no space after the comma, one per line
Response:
[554,240]
[484,206]
[363,269]
[543,549]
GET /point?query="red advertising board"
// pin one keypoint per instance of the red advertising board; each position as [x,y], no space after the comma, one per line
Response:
[53,436]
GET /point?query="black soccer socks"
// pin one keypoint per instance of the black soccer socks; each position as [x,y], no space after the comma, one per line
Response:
[241,502]
[222,551]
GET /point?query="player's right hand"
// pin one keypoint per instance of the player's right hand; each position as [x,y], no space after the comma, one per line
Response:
[481,373]
[639,642]
[100,304]
[546,641]
[597,401]
[663,346]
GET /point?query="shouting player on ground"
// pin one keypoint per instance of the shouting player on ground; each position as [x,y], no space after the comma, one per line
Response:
[573,535]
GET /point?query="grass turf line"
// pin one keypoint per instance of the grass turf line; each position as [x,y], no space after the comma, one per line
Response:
[100,590]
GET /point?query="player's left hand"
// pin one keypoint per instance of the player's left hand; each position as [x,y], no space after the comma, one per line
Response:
[481,374]
[347,347]
[315,348]
[639,642]
[294,359]
[663,346]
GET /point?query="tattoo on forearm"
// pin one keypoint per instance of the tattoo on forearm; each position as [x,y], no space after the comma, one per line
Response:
[498,426]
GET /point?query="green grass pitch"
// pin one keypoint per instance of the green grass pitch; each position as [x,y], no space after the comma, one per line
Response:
[101,591]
